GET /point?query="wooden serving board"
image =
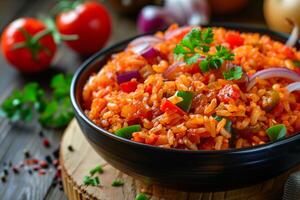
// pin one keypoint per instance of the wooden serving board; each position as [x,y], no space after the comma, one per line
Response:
[76,164]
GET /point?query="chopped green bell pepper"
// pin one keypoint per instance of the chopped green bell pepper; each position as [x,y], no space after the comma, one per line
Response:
[126,132]
[186,103]
[276,132]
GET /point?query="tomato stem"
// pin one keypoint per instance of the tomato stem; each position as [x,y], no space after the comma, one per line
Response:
[32,42]
[55,33]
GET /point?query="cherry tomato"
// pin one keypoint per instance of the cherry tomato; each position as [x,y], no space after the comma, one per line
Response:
[91,22]
[227,93]
[27,44]
[234,40]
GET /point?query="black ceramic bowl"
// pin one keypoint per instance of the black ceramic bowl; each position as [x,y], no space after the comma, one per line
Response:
[184,169]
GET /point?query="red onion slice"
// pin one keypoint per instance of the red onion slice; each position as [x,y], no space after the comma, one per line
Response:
[293,87]
[151,54]
[272,73]
[127,76]
[179,31]
[150,40]
[294,35]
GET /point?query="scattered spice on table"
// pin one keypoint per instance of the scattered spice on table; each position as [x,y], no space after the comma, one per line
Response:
[42,172]
[3,178]
[46,142]
[15,169]
[26,153]
[117,183]
[48,159]
[41,133]
[43,164]
[70,148]
[5,172]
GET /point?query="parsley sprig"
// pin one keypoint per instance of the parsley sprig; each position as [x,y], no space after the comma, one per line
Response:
[25,104]
[197,44]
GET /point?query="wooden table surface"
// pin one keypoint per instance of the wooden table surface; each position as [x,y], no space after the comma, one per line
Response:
[16,137]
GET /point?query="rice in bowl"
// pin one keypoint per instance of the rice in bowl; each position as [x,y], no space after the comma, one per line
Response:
[157,93]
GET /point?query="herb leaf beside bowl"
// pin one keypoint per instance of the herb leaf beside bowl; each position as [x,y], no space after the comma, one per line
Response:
[31,102]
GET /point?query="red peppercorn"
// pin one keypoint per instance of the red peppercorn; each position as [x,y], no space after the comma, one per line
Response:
[58,174]
[36,168]
[46,142]
[31,162]
[15,169]
[43,164]
[42,172]
[55,162]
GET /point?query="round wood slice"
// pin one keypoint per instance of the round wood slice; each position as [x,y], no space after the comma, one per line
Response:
[76,164]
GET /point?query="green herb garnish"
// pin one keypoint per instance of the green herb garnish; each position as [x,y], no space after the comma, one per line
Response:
[97,169]
[54,112]
[141,196]
[87,180]
[117,183]
[276,132]
[197,44]
[21,104]
[234,73]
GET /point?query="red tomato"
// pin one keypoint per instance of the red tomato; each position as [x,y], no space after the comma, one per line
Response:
[234,40]
[91,22]
[227,93]
[129,86]
[34,55]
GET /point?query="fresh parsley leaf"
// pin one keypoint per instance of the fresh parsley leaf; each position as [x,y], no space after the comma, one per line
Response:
[61,85]
[25,104]
[117,183]
[21,104]
[196,40]
[234,73]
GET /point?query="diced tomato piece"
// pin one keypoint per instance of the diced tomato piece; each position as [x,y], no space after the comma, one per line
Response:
[278,109]
[234,40]
[136,137]
[148,89]
[288,52]
[151,139]
[195,69]
[168,106]
[129,86]
[227,93]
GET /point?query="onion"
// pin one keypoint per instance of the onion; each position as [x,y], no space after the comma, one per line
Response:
[294,35]
[177,32]
[293,87]
[172,68]
[191,12]
[140,44]
[272,73]
[151,40]
[127,76]
[153,18]
[151,54]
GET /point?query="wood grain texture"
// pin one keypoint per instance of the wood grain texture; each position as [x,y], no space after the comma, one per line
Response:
[76,165]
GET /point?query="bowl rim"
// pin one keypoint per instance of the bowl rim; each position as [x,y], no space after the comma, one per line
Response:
[85,65]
